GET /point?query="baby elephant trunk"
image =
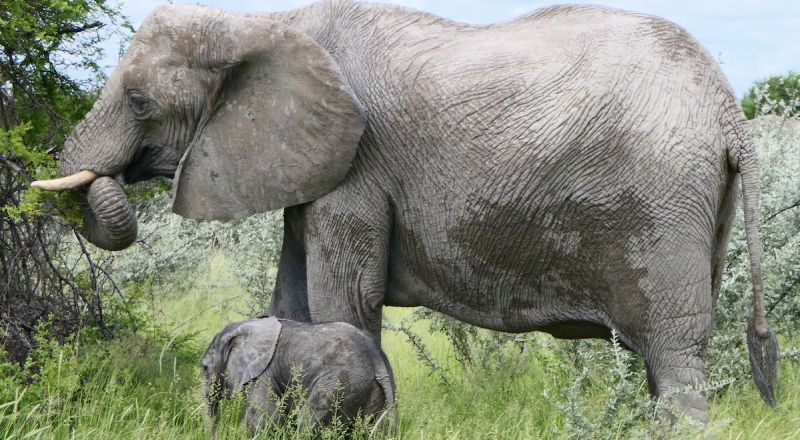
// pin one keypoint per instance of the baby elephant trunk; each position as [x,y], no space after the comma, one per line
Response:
[211,391]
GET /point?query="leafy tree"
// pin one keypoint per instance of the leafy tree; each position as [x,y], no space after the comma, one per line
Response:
[779,95]
[45,46]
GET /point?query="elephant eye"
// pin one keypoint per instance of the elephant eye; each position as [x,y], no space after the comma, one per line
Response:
[140,105]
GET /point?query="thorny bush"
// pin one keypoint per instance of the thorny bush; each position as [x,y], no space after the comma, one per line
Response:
[43,44]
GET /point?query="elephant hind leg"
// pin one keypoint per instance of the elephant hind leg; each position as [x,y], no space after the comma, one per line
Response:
[676,328]
[326,404]
[675,353]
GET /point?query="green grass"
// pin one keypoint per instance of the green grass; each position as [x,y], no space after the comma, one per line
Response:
[146,386]
[214,300]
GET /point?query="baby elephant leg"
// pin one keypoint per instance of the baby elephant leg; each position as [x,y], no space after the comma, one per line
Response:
[320,407]
[262,406]
[344,396]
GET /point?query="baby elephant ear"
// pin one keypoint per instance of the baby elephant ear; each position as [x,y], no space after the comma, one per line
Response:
[250,358]
[283,126]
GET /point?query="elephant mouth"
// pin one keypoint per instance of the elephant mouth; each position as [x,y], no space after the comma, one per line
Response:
[152,160]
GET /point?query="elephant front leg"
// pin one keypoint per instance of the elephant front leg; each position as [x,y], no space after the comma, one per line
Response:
[347,237]
[290,296]
[262,407]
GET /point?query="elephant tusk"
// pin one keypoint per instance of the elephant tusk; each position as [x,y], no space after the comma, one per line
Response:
[69,182]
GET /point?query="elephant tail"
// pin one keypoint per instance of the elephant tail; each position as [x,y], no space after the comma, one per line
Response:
[385,378]
[386,422]
[761,341]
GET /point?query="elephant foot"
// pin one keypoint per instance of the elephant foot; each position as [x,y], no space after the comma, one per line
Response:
[679,387]
[692,405]
[684,414]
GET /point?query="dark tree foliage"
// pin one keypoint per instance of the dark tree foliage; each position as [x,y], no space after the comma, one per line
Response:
[777,95]
[49,52]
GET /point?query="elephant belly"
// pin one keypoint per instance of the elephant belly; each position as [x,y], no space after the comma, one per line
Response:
[515,271]
[499,297]
[563,319]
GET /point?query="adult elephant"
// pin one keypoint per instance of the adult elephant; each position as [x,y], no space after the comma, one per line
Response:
[572,171]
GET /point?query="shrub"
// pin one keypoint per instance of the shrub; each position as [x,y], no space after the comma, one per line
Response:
[777,95]
[43,43]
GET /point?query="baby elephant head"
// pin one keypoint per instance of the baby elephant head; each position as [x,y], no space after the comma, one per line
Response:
[236,356]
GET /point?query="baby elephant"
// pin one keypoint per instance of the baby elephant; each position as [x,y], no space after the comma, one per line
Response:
[344,373]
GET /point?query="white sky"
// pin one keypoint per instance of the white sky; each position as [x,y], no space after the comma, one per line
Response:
[752,38]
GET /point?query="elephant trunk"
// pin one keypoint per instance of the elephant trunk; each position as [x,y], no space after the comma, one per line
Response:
[109,221]
[211,391]
[213,409]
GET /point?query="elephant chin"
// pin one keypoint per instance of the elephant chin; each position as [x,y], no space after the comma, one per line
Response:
[109,221]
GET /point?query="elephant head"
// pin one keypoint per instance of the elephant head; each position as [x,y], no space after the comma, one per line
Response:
[236,356]
[244,113]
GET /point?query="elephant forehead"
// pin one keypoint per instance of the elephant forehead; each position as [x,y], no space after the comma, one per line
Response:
[178,27]
[163,80]
[144,67]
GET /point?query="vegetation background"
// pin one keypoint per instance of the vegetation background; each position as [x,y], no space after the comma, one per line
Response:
[107,345]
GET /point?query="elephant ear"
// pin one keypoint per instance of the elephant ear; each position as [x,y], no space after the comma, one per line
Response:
[250,358]
[282,128]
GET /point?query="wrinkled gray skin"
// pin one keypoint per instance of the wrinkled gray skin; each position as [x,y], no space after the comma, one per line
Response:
[571,171]
[344,373]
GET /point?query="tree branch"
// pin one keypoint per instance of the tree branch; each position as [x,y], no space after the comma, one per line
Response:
[782,210]
[64,30]
[783,294]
